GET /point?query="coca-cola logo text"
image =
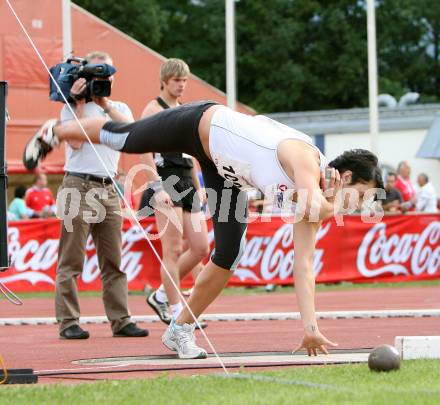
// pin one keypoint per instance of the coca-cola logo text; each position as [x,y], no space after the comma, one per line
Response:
[32,260]
[274,255]
[417,253]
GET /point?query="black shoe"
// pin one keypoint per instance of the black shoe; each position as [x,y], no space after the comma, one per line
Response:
[74,332]
[131,330]
[161,308]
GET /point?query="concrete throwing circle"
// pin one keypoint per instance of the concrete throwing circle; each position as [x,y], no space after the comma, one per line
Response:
[253,359]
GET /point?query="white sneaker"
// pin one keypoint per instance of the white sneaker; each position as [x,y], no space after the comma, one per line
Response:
[40,145]
[181,339]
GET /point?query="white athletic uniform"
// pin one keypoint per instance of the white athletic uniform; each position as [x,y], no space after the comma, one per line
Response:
[244,151]
[243,148]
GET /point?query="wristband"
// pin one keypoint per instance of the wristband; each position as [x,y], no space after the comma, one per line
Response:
[156,185]
[107,110]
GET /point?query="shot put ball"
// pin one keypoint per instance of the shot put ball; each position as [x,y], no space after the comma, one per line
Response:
[384,358]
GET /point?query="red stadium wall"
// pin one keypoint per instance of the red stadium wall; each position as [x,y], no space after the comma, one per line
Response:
[400,248]
[28,102]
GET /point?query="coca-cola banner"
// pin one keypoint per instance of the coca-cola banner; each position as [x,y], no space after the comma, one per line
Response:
[399,248]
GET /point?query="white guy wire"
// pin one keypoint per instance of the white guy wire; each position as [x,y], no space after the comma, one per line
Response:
[131,211]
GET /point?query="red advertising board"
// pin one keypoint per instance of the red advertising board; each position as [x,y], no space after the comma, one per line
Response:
[399,248]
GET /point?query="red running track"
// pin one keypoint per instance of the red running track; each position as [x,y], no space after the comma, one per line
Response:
[358,299]
[38,347]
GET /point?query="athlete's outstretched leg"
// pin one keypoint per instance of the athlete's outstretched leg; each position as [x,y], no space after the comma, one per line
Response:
[72,131]
[173,130]
[99,130]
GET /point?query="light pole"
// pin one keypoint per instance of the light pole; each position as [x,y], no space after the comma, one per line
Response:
[372,76]
[231,86]
[67,29]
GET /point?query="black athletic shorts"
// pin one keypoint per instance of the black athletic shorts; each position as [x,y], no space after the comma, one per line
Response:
[182,193]
[176,130]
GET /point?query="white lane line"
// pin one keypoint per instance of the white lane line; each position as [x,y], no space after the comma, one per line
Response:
[256,316]
[332,358]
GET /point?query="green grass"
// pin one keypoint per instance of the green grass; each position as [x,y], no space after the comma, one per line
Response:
[416,382]
[343,286]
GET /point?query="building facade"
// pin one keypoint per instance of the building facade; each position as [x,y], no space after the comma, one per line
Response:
[402,131]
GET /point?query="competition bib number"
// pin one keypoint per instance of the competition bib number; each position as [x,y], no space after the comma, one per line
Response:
[238,173]
[230,174]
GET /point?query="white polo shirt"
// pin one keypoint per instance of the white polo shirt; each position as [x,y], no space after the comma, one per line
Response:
[427,199]
[84,159]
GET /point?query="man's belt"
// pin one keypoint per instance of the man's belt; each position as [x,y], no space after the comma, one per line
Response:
[90,177]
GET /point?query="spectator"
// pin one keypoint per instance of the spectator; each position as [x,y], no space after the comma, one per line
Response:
[404,185]
[18,209]
[393,199]
[182,201]
[426,196]
[39,198]
[86,174]
[255,201]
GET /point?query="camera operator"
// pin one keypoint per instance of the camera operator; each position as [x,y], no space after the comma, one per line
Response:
[84,173]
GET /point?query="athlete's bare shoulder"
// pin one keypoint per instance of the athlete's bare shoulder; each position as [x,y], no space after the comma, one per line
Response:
[153,107]
[298,150]
[297,156]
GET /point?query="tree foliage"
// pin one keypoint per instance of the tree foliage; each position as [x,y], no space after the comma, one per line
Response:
[292,54]
[140,19]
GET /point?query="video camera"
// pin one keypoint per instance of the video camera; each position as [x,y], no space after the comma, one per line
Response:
[66,73]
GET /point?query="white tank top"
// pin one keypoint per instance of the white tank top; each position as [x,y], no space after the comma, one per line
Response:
[244,150]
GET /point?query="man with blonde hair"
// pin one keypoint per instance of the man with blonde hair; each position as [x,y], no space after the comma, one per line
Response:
[181,200]
[173,68]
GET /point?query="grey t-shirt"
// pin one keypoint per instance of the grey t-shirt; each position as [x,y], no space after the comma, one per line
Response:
[392,195]
[84,159]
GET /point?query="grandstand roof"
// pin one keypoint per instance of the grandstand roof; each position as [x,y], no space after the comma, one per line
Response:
[356,120]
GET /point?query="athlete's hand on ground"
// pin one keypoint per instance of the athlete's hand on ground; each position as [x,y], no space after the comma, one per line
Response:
[162,198]
[314,341]
[331,183]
